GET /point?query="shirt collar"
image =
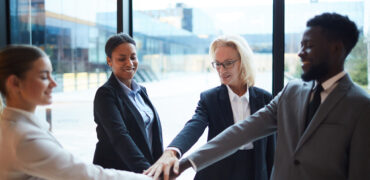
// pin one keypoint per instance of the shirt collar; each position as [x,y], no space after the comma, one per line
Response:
[233,96]
[331,81]
[135,87]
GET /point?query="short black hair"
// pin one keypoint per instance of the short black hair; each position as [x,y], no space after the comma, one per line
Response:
[337,27]
[117,40]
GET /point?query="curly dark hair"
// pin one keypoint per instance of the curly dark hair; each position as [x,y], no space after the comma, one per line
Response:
[337,27]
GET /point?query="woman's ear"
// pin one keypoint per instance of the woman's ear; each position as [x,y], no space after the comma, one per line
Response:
[109,61]
[12,83]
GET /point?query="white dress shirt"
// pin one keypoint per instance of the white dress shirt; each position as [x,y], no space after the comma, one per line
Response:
[328,86]
[241,110]
[29,151]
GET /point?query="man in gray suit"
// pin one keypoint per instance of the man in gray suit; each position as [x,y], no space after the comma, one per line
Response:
[322,123]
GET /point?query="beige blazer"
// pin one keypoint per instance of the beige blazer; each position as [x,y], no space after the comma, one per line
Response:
[336,144]
[29,151]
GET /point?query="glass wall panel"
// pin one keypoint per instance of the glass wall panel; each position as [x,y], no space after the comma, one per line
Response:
[173,39]
[73,34]
[296,15]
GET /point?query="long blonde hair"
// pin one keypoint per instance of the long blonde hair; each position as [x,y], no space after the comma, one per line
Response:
[247,73]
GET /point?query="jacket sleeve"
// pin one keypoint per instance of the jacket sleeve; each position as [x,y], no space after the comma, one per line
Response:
[270,153]
[41,156]
[193,129]
[271,144]
[107,114]
[259,124]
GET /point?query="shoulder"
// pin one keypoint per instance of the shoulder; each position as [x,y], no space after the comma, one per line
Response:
[17,128]
[259,96]
[107,88]
[297,83]
[260,91]
[110,85]
[106,94]
[359,95]
[355,96]
[295,87]
[142,88]
[214,91]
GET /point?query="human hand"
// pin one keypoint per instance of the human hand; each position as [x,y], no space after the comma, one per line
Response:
[167,164]
[183,165]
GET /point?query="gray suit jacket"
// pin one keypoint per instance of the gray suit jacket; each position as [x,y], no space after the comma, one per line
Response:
[336,145]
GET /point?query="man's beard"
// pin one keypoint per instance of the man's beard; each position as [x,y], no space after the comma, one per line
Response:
[316,72]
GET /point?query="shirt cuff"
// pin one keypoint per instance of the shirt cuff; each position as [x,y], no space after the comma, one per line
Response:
[192,164]
[175,149]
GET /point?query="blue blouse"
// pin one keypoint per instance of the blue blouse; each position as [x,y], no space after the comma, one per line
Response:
[145,111]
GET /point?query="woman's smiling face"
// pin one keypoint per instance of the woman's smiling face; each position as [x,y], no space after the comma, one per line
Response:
[36,86]
[124,62]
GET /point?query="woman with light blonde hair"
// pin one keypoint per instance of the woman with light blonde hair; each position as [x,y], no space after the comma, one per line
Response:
[247,73]
[220,107]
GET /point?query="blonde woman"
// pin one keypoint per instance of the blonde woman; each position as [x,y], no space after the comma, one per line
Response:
[220,107]
[28,150]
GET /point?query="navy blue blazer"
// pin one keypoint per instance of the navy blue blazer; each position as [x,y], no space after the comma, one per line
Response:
[122,142]
[214,110]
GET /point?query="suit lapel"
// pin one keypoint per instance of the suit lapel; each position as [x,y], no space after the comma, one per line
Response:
[254,100]
[225,106]
[156,123]
[302,111]
[126,102]
[325,108]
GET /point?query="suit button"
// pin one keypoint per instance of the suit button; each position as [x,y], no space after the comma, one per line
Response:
[296,162]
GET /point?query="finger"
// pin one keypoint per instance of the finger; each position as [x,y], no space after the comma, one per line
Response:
[166,172]
[157,172]
[150,171]
[176,167]
[147,171]
[155,178]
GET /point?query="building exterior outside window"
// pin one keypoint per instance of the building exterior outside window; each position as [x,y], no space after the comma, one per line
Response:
[72,34]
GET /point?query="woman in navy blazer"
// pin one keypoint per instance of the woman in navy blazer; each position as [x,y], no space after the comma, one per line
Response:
[220,107]
[28,150]
[128,126]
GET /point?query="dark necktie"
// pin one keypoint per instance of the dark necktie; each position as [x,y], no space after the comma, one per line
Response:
[314,104]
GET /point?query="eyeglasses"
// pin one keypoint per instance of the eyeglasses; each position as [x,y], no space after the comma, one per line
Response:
[227,64]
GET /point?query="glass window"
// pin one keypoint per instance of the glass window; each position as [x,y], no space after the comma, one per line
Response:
[357,62]
[173,42]
[73,34]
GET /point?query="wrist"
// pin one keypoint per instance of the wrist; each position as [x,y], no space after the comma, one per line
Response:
[184,164]
[172,153]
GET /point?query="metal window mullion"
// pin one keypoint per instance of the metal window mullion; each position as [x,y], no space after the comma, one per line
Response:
[124,16]
[278,45]
[4,23]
